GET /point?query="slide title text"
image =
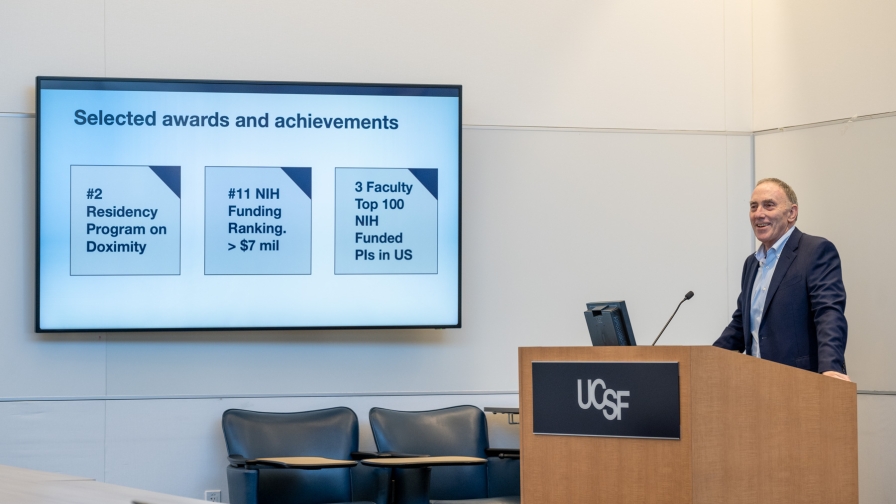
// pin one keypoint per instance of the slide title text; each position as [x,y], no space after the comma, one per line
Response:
[217,120]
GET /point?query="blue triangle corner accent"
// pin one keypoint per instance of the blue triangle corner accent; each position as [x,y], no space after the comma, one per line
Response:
[170,175]
[302,178]
[429,177]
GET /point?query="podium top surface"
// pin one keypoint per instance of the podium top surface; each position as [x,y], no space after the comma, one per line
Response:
[669,353]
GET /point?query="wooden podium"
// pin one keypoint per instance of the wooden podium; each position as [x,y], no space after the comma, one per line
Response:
[752,431]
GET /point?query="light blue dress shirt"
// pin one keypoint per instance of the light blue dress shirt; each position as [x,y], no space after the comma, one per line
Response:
[767,262]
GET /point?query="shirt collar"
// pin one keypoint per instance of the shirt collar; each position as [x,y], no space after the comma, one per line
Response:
[777,247]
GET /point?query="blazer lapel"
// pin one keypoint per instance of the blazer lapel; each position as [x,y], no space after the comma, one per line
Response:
[784,262]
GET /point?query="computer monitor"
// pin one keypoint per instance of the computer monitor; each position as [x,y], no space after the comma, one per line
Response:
[608,324]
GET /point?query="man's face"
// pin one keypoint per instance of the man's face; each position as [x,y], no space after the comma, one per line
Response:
[771,214]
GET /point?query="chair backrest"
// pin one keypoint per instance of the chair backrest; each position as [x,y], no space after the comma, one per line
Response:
[460,430]
[331,433]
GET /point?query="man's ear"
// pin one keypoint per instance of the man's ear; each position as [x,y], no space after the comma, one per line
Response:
[794,213]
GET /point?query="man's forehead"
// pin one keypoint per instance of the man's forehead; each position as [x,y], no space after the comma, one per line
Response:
[768,192]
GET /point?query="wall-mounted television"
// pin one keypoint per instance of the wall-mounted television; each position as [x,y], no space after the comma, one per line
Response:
[187,204]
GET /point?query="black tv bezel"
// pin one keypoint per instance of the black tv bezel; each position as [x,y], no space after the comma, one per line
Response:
[40,80]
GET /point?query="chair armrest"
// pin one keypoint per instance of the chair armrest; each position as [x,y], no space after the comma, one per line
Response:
[237,460]
[510,453]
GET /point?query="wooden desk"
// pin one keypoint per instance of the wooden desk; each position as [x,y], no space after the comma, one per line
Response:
[26,486]
[10,474]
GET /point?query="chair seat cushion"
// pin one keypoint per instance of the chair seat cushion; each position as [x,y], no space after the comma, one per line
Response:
[514,499]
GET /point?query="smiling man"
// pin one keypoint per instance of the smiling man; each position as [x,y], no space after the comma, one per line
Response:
[792,300]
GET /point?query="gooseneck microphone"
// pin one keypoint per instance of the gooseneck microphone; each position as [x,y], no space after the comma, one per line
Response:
[687,296]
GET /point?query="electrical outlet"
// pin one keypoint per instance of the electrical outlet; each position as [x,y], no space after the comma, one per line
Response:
[213,495]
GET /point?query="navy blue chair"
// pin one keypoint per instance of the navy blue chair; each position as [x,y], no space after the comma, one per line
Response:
[457,431]
[330,433]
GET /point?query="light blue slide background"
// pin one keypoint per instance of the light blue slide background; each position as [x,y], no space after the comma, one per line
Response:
[294,254]
[427,137]
[133,187]
[418,223]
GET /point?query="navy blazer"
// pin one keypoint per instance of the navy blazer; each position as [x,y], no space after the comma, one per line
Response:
[803,321]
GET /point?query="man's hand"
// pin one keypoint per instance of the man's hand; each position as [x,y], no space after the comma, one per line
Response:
[834,374]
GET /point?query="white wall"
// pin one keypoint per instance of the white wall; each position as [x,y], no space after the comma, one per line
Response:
[819,60]
[844,177]
[608,63]
[603,158]
[824,60]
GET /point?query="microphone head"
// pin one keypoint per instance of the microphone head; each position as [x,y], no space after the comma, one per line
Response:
[689,295]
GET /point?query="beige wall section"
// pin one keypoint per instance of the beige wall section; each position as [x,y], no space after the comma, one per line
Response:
[58,436]
[818,60]
[619,64]
[133,442]
[740,233]
[738,65]
[844,176]
[144,437]
[35,365]
[570,63]
[530,197]
[47,37]
[553,220]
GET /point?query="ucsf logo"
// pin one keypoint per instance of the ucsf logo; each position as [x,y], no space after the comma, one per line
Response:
[612,399]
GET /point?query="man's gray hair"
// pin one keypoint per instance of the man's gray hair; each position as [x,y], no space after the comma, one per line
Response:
[788,191]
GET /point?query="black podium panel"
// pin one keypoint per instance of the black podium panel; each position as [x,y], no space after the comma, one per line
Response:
[615,399]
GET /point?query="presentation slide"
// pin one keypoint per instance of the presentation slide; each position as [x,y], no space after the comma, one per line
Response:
[241,205]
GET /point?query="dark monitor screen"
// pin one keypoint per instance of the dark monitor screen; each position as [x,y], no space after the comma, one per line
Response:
[608,324]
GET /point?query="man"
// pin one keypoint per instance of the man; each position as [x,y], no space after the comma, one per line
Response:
[792,300]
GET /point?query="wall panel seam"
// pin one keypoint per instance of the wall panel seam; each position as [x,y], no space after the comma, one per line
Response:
[820,124]
[724,66]
[254,396]
[576,129]
[297,396]
[580,129]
